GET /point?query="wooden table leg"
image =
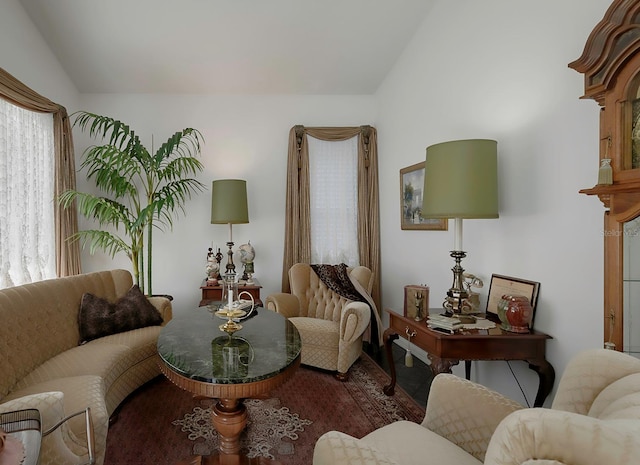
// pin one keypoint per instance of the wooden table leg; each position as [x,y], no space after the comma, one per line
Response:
[441,365]
[390,336]
[546,376]
[229,417]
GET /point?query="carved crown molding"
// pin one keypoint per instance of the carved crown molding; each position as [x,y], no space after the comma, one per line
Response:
[614,40]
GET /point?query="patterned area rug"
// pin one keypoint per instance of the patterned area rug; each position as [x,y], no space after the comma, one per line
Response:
[267,426]
[161,424]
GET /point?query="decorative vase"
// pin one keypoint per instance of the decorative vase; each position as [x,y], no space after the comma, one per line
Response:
[515,313]
[605,173]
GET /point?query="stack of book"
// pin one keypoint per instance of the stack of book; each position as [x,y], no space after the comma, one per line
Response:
[444,323]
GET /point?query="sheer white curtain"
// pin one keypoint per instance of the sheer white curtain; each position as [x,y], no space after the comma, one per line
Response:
[333,192]
[27,228]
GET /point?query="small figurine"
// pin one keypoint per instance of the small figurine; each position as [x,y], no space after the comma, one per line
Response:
[418,305]
[219,259]
[212,268]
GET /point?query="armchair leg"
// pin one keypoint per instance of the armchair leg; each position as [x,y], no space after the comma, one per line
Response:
[342,376]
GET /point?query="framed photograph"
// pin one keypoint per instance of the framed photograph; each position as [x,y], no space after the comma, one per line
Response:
[501,285]
[416,302]
[411,186]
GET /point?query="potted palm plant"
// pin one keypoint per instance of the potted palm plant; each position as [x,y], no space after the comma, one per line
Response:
[143,190]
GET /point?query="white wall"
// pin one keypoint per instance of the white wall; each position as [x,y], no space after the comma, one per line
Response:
[497,69]
[245,137]
[25,55]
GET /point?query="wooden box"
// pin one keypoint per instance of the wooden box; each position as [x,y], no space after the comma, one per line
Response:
[416,302]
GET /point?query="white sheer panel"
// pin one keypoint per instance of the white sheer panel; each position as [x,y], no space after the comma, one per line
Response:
[333,185]
[27,234]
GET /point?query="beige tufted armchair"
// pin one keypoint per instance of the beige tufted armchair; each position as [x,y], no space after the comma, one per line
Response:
[331,327]
[594,420]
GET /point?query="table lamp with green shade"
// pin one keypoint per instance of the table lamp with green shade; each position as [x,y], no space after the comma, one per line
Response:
[229,206]
[460,181]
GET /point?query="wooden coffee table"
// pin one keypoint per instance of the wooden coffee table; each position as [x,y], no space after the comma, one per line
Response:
[200,358]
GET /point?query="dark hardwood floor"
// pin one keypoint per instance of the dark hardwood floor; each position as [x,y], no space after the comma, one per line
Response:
[415,380]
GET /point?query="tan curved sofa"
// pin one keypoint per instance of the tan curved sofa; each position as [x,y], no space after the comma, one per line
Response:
[42,366]
[594,420]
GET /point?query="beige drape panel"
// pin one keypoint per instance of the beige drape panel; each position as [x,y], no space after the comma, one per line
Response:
[66,221]
[297,245]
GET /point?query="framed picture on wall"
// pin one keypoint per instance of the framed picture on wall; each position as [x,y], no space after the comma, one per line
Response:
[416,302]
[411,186]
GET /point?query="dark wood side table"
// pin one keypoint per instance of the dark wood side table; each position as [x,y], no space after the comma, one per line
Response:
[445,350]
[212,293]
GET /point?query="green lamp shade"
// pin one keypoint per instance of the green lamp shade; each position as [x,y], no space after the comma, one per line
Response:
[229,202]
[461,180]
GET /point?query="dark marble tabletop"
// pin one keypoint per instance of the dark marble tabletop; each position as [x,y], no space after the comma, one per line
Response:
[193,345]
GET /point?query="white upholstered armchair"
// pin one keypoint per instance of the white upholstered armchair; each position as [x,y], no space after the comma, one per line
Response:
[594,420]
[331,327]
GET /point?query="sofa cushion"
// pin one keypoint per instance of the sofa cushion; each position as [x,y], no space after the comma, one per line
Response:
[137,366]
[621,399]
[409,443]
[320,341]
[107,361]
[99,317]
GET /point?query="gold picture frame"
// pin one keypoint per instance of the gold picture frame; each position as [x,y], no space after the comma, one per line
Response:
[416,302]
[411,186]
[501,285]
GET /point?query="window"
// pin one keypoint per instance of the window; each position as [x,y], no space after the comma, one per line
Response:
[333,196]
[27,230]
[365,219]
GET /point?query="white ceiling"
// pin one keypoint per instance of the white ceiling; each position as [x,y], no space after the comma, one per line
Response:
[227,46]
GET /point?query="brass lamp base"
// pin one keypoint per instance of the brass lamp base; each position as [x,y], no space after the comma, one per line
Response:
[456,301]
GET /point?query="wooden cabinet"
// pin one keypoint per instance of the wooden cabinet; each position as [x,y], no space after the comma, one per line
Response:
[211,293]
[611,67]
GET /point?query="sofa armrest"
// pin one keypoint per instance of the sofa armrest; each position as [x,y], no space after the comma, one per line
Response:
[335,448]
[354,319]
[163,305]
[554,436]
[465,413]
[287,305]
[61,446]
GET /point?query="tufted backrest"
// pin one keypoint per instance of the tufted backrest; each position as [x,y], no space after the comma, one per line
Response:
[40,320]
[602,384]
[316,299]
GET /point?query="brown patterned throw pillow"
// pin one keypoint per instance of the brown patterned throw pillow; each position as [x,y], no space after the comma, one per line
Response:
[98,317]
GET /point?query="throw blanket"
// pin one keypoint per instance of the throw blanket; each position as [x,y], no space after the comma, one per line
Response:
[336,278]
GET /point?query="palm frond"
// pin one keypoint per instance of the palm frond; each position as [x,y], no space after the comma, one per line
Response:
[172,196]
[102,240]
[112,170]
[104,127]
[101,209]
[181,144]
[179,168]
